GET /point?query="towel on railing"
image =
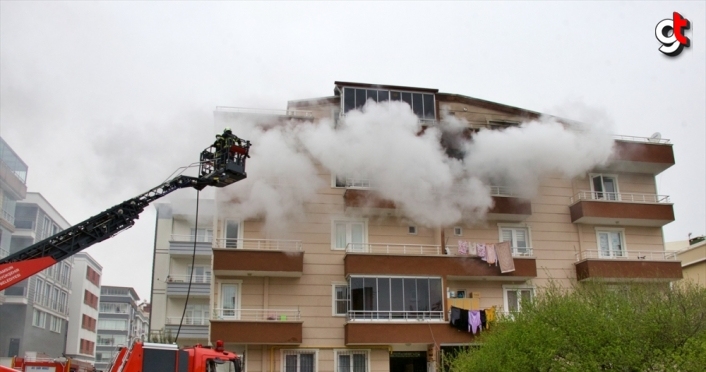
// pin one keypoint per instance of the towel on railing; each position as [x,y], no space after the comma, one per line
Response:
[490,256]
[481,250]
[472,249]
[504,253]
[462,247]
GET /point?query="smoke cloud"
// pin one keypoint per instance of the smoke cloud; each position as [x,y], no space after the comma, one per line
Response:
[435,177]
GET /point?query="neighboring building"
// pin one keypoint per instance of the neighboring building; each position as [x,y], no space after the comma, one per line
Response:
[13,176]
[117,322]
[356,287]
[142,321]
[174,246]
[35,313]
[693,260]
[83,308]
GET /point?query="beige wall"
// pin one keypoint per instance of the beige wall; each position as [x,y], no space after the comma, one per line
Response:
[694,263]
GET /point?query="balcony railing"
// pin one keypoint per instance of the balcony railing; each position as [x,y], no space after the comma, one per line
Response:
[396,249]
[501,191]
[627,255]
[7,216]
[641,139]
[246,110]
[190,238]
[56,305]
[256,315]
[261,244]
[516,251]
[175,320]
[203,279]
[625,197]
[395,315]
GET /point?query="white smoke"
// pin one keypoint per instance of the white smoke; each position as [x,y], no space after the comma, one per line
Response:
[384,142]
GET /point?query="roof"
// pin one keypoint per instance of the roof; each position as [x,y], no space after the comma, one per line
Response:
[384,86]
[89,258]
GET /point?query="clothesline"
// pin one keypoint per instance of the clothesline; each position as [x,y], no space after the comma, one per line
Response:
[473,321]
[492,253]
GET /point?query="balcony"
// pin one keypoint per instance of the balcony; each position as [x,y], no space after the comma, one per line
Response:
[192,328]
[7,220]
[640,155]
[507,206]
[183,245]
[257,326]
[178,285]
[628,266]
[258,257]
[12,181]
[401,259]
[626,209]
[386,333]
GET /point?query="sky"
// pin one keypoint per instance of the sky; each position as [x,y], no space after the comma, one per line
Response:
[103,100]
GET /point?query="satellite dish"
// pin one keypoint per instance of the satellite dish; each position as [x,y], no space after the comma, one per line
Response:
[655,137]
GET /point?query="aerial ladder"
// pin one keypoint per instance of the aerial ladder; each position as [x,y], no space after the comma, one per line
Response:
[221,164]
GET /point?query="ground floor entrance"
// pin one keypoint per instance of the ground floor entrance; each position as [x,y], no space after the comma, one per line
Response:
[408,361]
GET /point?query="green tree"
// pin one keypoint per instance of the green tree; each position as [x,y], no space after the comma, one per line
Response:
[595,327]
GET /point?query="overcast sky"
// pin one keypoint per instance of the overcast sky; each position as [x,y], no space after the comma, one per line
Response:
[104,99]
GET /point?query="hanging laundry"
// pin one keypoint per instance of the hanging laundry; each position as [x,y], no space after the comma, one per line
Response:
[483,319]
[462,323]
[462,247]
[489,317]
[481,250]
[472,249]
[504,253]
[455,316]
[474,321]
[491,257]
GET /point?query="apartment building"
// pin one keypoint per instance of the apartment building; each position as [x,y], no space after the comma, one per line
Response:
[118,320]
[357,286]
[13,176]
[693,260]
[83,308]
[178,243]
[35,313]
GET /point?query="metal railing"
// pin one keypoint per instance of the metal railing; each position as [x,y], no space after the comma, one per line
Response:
[395,315]
[7,216]
[516,251]
[190,238]
[261,244]
[257,111]
[401,249]
[625,197]
[640,139]
[626,255]
[172,320]
[196,278]
[257,314]
[501,191]
[56,305]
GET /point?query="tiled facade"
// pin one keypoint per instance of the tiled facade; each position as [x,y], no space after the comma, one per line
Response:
[355,287]
[83,308]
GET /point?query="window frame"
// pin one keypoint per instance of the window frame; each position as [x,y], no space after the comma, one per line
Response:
[594,193]
[460,231]
[442,293]
[335,300]
[623,240]
[239,239]
[516,287]
[40,317]
[347,221]
[334,183]
[412,227]
[337,352]
[513,226]
[298,352]
[239,299]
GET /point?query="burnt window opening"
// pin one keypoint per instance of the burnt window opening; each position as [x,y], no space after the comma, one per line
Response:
[422,104]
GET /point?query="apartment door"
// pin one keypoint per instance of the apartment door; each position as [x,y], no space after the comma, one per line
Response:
[605,187]
[350,235]
[230,298]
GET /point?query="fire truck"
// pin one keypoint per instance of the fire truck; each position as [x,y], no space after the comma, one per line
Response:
[220,165]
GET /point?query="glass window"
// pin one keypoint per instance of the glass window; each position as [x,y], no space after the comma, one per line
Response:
[610,243]
[372,94]
[349,235]
[39,284]
[340,299]
[113,324]
[396,298]
[605,187]
[202,235]
[299,361]
[202,274]
[417,105]
[383,95]
[351,360]
[516,296]
[230,299]
[348,99]
[39,318]
[429,108]
[232,228]
[360,98]
[518,238]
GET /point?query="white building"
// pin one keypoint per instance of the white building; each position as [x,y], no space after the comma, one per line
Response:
[83,308]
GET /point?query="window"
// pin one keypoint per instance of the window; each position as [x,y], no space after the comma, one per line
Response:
[604,187]
[113,324]
[55,324]
[458,231]
[349,234]
[355,180]
[39,318]
[412,230]
[39,284]
[230,300]
[93,276]
[114,291]
[90,299]
[104,356]
[611,243]
[299,360]
[87,347]
[65,274]
[202,274]
[55,298]
[514,296]
[196,314]
[351,360]
[112,340]
[232,233]
[202,235]
[63,306]
[518,238]
[422,104]
[395,298]
[111,307]
[340,299]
